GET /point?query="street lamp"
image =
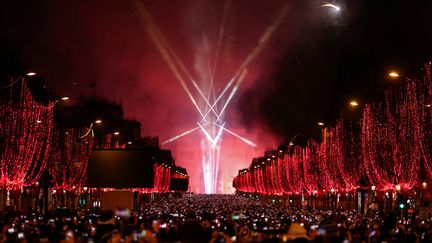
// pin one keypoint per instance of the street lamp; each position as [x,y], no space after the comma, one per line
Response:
[329,5]
[13,81]
[353,103]
[393,74]
[398,188]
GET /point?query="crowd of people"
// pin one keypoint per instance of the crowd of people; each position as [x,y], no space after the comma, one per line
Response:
[213,218]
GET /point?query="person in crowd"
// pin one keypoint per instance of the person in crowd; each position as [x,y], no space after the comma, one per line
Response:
[214,218]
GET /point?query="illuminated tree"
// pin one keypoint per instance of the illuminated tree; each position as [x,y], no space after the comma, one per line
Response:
[25,137]
[69,158]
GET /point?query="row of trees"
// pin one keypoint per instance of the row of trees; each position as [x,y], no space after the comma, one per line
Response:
[44,137]
[389,148]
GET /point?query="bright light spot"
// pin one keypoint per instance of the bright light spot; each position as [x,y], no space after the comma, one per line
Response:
[31,74]
[116,133]
[129,142]
[398,188]
[353,103]
[39,121]
[393,74]
[65,98]
[373,188]
[98,121]
[291,144]
[428,106]
[424,184]
[329,5]
[320,123]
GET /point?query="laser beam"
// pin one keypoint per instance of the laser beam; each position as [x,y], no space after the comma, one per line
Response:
[205,133]
[233,92]
[155,37]
[221,94]
[216,139]
[219,43]
[248,142]
[162,40]
[262,41]
[180,135]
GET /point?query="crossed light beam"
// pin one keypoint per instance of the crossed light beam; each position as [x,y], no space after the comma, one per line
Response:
[211,118]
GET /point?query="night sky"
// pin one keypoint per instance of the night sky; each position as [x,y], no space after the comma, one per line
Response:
[315,61]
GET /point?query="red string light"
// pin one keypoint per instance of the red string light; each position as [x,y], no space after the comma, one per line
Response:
[25,132]
[69,158]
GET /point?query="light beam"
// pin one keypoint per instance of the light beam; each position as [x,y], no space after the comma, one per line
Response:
[248,142]
[180,135]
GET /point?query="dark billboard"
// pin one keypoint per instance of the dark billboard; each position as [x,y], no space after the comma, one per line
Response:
[120,168]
